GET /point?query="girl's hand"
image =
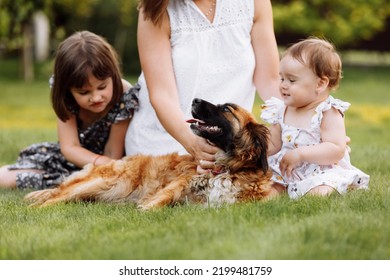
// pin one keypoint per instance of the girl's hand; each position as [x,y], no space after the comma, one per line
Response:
[291,160]
[101,160]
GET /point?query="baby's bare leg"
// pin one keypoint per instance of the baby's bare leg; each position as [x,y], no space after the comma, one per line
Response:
[322,190]
[275,191]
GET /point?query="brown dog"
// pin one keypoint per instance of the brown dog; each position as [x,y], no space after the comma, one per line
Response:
[240,174]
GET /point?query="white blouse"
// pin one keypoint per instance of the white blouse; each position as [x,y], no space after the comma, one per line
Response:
[213,61]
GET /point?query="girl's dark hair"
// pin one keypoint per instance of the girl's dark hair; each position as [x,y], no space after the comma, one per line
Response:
[154,9]
[79,56]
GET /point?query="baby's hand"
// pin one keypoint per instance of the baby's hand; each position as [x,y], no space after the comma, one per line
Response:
[291,160]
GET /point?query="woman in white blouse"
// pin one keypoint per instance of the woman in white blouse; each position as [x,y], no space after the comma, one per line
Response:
[217,50]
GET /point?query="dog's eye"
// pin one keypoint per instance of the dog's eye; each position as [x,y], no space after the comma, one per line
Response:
[226,109]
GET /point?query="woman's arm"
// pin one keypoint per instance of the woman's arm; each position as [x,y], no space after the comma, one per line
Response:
[156,62]
[330,151]
[266,76]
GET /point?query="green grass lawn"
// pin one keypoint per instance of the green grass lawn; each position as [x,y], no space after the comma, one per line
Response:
[355,226]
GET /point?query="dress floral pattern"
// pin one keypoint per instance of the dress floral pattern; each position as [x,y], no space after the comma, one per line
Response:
[342,176]
[48,158]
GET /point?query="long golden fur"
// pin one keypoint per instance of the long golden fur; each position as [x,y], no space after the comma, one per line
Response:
[240,174]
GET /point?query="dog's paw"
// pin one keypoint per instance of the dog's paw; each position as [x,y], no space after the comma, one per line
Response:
[38,197]
[145,207]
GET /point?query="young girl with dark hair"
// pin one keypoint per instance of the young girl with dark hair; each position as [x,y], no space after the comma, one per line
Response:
[94,106]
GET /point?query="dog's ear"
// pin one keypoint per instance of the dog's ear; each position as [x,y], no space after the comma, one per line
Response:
[249,148]
[258,148]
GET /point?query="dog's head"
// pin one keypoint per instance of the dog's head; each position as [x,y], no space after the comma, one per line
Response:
[235,131]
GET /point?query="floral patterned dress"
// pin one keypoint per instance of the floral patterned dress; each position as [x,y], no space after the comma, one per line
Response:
[48,158]
[342,176]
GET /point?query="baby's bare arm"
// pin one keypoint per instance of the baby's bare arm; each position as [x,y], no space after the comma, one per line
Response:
[329,151]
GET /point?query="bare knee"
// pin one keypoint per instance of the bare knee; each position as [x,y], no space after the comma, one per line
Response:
[276,190]
[7,178]
[322,190]
[279,188]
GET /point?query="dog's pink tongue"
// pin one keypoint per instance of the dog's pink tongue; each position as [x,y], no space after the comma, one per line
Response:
[194,121]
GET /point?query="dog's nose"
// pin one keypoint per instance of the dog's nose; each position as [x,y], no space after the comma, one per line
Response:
[196,101]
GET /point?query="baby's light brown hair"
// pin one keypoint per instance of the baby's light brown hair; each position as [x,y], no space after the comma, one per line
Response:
[320,56]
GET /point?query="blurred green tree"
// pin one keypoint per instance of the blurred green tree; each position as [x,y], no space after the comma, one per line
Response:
[16,32]
[113,19]
[345,23]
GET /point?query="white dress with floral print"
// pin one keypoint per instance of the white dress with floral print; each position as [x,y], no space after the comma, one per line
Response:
[341,176]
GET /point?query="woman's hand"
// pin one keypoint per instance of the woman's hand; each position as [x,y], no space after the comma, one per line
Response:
[205,166]
[204,153]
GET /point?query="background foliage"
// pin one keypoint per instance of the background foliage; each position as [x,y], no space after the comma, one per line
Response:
[347,23]
[358,24]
